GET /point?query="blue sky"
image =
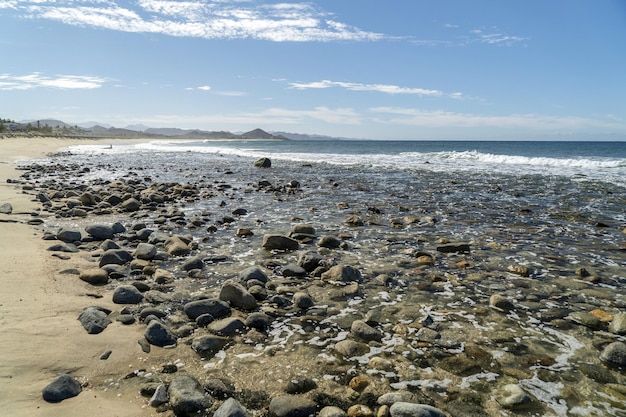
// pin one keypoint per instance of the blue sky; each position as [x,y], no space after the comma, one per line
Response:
[404,69]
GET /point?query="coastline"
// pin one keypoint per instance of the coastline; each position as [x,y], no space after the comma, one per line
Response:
[38,308]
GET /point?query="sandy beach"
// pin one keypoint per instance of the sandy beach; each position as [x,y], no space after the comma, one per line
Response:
[38,311]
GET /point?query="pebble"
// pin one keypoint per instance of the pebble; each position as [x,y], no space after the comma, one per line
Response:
[291,406]
[403,409]
[614,355]
[618,325]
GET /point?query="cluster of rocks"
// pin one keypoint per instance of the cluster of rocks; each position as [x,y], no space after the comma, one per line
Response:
[381,317]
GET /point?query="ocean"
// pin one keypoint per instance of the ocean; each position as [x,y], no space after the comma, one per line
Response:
[545,222]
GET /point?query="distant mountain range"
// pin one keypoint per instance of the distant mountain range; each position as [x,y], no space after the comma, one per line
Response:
[96,129]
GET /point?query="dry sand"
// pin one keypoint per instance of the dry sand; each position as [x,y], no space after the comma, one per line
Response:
[40,337]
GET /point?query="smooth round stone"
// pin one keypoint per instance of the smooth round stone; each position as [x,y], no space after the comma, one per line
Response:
[360,410]
[331,411]
[512,396]
[500,303]
[127,294]
[402,409]
[614,354]
[302,300]
[585,319]
[618,325]
[62,388]
[364,331]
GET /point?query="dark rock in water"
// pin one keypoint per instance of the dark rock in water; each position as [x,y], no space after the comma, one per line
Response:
[6,208]
[115,256]
[145,251]
[300,386]
[218,388]
[329,242]
[354,221]
[176,246]
[94,320]
[614,355]
[231,408]
[454,248]
[513,397]
[217,308]
[263,163]
[259,321]
[402,409]
[500,303]
[618,324]
[291,406]
[585,319]
[131,204]
[63,247]
[94,276]
[293,270]
[279,242]
[100,231]
[208,345]
[342,273]
[229,326]
[597,373]
[302,229]
[458,408]
[237,295]
[309,260]
[187,398]
[364,331]
[302,300]
[69,235]
[127,294]
[62,388]
[253,273]
[159,335]
[195,262]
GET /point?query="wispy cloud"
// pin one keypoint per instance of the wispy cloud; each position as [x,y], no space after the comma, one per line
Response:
[447,119]
[458,36]
[39,80]
[494,36]
[221,19]
[380,88]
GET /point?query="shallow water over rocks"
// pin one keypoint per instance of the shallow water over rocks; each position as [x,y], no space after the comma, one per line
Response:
[482,294]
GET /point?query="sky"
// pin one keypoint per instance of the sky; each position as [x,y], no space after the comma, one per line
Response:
[394,69]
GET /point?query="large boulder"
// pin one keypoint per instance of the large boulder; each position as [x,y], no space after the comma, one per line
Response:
[127,294]
[342,273]
[94,276]
[177,246]
[158,334]
[94,320]
[253,273]
[116,257]
[69,235]
[279,242]
[100,231]
[237,295]
[216,308]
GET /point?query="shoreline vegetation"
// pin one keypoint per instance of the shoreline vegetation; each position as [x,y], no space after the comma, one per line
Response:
[132,315]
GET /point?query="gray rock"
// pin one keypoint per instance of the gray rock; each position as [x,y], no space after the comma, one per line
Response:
[237,295]
[159,397]
[512,396]
[6,208]
[64,247]
[332,411]
[279,242]
[259,321]
[127,294]
[145,251]
[131,204]
[109,244]
[208,345]
[454,248]
[403,409]
[302,300]
[94,276]
[115,256]
[598,373]
[231,408]
[100,231]
[397,397]
[309,260]
[329,242]
[500,303]
[342,273]
[614,355]
[293,270]
[291,406]
[618,324]
[158,334]
[176,246]
[253,273]
[229,326]
[350,348]
[263,163]
[585,319]
[217,308]
[192,263]
[94,320]
[187,397]
[364,331]
[62,388]
[69,235]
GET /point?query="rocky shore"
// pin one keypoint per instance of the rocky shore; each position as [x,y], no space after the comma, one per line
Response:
[262,296]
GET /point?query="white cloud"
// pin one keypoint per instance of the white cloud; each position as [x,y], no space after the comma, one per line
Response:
[204,87]
[447,119]
[38,80]
[381,88]
[196,18]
